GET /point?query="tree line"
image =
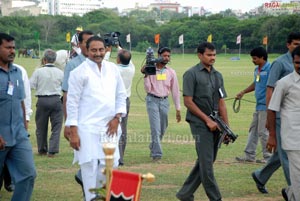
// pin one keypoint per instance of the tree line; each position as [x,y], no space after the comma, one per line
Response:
[50,31]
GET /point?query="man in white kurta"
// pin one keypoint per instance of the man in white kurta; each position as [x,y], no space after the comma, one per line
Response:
[285,99]
[95,104]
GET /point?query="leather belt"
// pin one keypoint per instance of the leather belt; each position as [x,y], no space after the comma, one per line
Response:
[152,95]
[42,96]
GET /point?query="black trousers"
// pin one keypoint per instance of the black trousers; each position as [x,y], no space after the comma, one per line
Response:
[206,144]
[5,177]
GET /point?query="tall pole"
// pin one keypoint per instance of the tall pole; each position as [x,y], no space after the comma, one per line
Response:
[240,49]
[183,50]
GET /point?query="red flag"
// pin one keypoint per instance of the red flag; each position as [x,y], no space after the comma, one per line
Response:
[156,38]
[124,186]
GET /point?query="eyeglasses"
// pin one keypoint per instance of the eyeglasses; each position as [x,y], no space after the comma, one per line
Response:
[296,62]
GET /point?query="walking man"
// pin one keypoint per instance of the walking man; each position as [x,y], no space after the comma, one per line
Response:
[47,82]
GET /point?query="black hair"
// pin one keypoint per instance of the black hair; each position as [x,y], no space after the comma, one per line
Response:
[259,52]
[205,45]
[163,49]
[94,38]
[84,32]
[296,51]
[124,56]
[293,36]
[4,36]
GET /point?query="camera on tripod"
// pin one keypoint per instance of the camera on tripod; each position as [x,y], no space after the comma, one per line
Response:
[150,68]
[112,39]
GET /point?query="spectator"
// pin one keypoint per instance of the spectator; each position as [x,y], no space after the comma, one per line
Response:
[47,82]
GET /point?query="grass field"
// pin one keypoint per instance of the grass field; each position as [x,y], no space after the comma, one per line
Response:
[55,176]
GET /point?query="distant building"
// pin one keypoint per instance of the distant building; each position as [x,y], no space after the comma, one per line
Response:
[72,7]
[165,6]
[9,7]
[278,7]
[51,7]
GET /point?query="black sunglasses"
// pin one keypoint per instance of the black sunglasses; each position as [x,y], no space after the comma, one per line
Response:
[296,62]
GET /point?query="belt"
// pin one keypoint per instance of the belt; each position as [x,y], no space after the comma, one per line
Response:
[42,96]
[164,97]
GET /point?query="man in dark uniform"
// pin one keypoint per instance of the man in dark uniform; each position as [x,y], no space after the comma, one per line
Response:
[203,93]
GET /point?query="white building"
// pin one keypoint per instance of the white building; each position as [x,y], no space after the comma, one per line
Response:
[71,7]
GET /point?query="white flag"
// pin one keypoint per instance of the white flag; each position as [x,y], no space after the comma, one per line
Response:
[180,40]
[128,38]
[238,39]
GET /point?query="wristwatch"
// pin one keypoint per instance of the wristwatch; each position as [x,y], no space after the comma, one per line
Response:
[119,118]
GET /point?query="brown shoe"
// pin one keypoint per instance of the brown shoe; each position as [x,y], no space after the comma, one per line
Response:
[156,160]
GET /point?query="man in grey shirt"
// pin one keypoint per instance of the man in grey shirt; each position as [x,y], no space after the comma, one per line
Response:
[281,67]
[47,82]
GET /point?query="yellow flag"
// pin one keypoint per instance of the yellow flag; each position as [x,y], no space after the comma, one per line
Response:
[209,38]
[265,40]
[68,37]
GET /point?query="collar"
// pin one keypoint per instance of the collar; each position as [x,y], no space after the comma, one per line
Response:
[49,65]
[123,66]
[201,68]
[11,67]
[296,76]
[267,64]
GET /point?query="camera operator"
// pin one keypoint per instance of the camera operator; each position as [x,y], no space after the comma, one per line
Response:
[158,88]
[127,70]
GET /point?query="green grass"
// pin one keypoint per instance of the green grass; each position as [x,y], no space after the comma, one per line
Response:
[55,176]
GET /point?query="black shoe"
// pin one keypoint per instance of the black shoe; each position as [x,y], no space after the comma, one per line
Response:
[9,188]
[191,198]
[284,195]
[260,187]
[78,180]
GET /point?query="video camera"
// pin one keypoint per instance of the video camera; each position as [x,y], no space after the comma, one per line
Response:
[112,39]
[150,68]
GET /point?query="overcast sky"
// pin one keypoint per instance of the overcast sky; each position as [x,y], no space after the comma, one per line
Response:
[211,5]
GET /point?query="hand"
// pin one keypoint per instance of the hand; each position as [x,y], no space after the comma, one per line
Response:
[67,132]
[143,69]
[240,95]
[26,124]
[2,143]
[108,48]
[272,143]
[74,138]
[178,116]
[112,127]
[212,125]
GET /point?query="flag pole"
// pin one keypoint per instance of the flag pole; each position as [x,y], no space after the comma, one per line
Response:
[240,49]
[183,49]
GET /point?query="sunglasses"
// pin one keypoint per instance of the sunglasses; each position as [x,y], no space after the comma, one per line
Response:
[296,62]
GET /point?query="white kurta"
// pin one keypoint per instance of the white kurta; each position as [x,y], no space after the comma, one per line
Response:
[94,98]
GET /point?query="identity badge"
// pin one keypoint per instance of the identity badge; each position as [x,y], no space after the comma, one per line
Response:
[221,93]
[257,78]
[10,89]
[161,76]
